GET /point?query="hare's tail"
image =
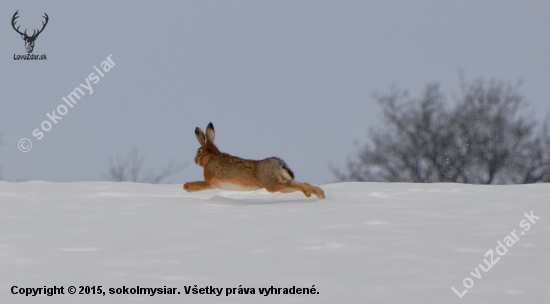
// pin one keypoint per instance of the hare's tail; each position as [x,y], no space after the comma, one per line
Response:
[286,169]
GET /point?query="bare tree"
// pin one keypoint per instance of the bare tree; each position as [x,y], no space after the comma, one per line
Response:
[484,139]
[129,169]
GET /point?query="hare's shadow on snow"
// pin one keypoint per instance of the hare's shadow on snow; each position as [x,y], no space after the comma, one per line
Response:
[225,201]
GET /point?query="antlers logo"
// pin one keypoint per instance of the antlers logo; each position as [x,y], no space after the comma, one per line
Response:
[29,40]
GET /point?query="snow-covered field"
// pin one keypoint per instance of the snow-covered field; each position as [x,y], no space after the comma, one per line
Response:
[365,243]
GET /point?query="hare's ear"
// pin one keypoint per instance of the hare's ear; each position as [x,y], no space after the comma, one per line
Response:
[200,136]
[210,133]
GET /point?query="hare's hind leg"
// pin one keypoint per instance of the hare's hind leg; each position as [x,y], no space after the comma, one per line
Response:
[197,186]
[317,191]
[293,185]
[288,190]
[307,189]
[282,179]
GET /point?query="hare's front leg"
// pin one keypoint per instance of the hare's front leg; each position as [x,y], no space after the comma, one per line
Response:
[197,186]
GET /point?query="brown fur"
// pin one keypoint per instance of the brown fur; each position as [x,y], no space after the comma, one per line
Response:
[225,171]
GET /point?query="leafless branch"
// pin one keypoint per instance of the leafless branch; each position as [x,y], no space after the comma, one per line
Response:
[484,139]
[130,168]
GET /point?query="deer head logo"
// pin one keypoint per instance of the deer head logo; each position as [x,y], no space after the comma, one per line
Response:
[29,40]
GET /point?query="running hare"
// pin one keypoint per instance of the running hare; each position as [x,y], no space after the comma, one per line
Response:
[224,171]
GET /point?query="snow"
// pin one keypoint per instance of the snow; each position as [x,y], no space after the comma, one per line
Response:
[365,243]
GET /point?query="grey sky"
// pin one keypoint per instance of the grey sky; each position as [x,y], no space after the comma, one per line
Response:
[291,79]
